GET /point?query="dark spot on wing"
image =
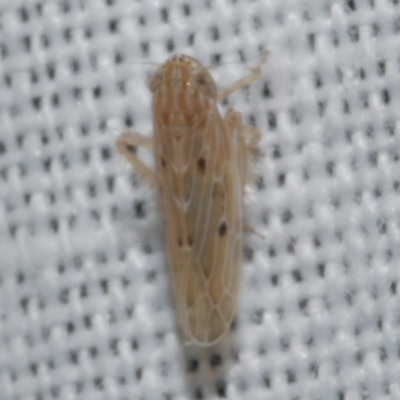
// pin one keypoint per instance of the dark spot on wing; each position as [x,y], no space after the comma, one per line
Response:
[180,242]
[163,162]
[201,165]
[222,229]
[190,241]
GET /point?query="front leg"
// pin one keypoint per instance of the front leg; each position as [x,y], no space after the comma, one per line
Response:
[246,81]
[127,145]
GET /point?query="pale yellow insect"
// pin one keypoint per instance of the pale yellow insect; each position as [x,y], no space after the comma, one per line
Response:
[201,166]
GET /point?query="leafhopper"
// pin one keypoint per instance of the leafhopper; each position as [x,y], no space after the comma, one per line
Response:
[201,168]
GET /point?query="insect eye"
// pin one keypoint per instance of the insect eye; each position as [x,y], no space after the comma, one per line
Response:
[201,79]
[155,80]
[205,83]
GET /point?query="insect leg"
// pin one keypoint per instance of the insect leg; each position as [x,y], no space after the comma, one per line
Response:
[251,136]
[246,81]
[127,145]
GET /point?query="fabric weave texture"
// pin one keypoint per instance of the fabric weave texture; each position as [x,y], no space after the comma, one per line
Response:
[85,299]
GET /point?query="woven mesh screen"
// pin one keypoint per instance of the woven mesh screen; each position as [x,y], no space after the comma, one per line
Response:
[85,300]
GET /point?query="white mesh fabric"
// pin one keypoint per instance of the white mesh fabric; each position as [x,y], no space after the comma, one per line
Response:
[85,303]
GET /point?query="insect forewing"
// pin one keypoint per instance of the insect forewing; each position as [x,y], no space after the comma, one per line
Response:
[201,168]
